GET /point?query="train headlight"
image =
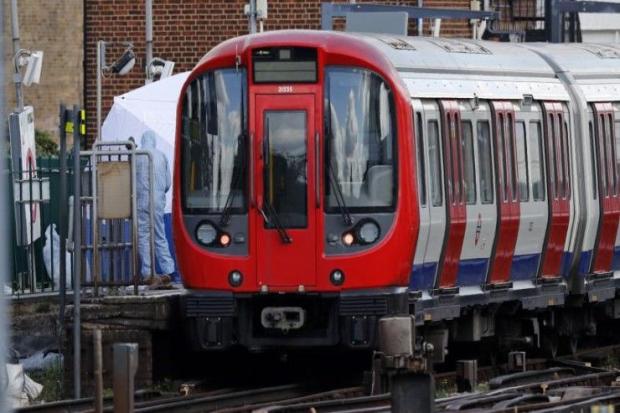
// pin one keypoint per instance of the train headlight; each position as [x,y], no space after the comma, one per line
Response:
[348,239]
[368,232]
[235,278]
[337,277]
[206,233]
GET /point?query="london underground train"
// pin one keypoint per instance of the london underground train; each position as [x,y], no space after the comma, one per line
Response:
[325,180]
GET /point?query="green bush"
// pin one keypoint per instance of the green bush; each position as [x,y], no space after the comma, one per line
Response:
[45,143]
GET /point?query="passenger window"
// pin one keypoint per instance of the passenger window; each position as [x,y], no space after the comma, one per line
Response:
[434,158]
[566,164]
[510,157]
[522,176]
[469,163]
[501,155]
[593,160]
[551,156]
[537,167]
[602,155]
[485,162]
[611,179]
[420,157]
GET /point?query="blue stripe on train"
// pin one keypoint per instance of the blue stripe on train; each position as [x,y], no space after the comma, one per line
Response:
[423,276]
[616,262]
[524,267]
[472,272]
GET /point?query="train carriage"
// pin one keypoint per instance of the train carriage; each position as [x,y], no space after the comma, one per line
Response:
[324,180]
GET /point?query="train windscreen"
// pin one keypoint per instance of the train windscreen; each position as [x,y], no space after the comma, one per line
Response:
[360,141]
[213,143]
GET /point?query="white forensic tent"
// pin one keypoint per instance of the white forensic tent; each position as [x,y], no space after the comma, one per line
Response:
[153,106]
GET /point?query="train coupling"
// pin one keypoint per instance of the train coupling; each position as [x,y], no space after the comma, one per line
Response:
[283,318]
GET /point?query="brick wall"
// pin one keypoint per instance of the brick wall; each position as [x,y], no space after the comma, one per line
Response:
[56,27]
[183,31]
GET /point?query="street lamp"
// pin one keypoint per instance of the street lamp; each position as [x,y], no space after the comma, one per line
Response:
[121,67]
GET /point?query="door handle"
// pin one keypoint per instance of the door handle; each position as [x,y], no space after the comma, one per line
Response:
[317,171]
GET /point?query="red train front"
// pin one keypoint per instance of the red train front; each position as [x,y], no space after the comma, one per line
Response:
[294,214]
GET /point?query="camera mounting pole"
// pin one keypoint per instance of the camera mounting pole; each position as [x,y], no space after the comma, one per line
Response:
[121,66]
[17,77]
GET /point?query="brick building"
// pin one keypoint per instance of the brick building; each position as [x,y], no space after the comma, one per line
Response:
[56,27]
[184,31]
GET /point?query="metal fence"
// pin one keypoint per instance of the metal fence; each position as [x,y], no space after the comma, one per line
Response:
[36,265]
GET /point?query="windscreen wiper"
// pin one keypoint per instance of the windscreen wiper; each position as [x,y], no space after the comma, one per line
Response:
[344,211]
[236,181]
[275,220]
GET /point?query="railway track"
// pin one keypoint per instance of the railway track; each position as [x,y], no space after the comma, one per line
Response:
[559,385]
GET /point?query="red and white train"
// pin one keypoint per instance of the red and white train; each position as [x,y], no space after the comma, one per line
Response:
[324,180]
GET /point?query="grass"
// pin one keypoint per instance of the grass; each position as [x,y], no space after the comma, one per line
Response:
[51,379]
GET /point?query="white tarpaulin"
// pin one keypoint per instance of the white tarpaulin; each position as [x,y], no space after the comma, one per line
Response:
[154,107]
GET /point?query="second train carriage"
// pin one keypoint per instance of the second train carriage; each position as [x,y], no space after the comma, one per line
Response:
[488,171]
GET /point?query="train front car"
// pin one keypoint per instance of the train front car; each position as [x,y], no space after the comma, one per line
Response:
[294,215]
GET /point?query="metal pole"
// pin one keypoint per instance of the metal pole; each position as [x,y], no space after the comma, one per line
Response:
[149,32]
[125,367]
[62,224]
[17,78]
[100,62]
[252,16]
[77,253]
[4,223]
[98,367]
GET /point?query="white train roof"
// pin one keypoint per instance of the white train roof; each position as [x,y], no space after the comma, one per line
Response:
[595,68]
[464,68]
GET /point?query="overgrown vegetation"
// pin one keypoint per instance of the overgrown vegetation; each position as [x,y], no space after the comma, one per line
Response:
[45,143]
[51,379]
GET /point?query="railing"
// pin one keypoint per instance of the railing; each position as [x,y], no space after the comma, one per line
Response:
[36,264]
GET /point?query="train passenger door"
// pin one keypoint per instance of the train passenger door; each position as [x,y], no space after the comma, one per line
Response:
[479,194]
[558,188]
[506,191]
[608,185]
[430,195]
[455,194]
[532,194]
[284,176]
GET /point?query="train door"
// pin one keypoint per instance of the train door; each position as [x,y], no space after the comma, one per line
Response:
[455,194]
[479,196]
[608,185]
[506,192]
[532,193]
[430,194]
[558,188]
[286,230]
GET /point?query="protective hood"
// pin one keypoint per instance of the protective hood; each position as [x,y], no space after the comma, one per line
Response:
[149,140]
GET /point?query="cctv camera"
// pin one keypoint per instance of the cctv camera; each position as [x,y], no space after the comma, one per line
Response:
[158,69]
[125,63]
[34,64]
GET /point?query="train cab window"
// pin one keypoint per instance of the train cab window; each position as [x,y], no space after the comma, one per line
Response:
[361,141]
[420,157]
[510,141]
[537,167]
[213,143]
[434,157]
[617,147]
[485,163]
[522,175]
[593,160]
[469,163]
